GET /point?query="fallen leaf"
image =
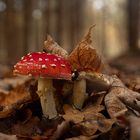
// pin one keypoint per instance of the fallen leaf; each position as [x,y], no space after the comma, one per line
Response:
[7,137]
[84,56]
[51,46]
[27,129]
[119,98]
[79,138]
[32,137]
[134,127]
[8,84]
[133,83]
[15,99]
[62,128]
[78,116]
[35,128]
[93,123]
[95,98]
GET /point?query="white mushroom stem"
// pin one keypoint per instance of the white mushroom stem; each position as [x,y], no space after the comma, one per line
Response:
[79,93]
[46,94]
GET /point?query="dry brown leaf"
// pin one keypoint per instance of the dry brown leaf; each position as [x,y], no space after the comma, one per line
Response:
[7,137]
[77,116]
[96,122]
[79,138]
[119,98]
[35,128]
[51,46]
[15,99]
[72,114]
[96,98]
[32,137]
[133,83]
[135,128]
[8,84]
[89,120]
[84,56]
[27,129]
[112,102]
[31,127]
[62,128]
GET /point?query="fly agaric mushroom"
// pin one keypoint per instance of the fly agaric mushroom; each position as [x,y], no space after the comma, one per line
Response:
[46,67]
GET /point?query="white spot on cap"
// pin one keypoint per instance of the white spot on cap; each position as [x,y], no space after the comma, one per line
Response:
[30,55]
[44,66]
[55,59]
[31,59]
[52,65]
[22,58]
[15,66]
[40,59]
[59,58]
[63,65]
[25,60]
[47,59]
[39,52]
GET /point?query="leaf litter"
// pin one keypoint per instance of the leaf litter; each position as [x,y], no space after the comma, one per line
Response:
[107,113]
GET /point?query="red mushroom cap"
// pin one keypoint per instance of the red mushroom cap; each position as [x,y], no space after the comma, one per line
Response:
[44,65]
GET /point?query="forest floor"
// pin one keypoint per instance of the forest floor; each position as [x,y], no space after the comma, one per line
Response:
[21,114]
[111,109]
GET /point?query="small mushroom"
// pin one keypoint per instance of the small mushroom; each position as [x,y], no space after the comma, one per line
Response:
[90,80]
[45,67]
[84,58]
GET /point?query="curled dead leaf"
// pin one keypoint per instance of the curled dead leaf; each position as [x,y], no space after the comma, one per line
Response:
[89,120]
[96,122]
[15,99]
[77,116]
[51,46]
[120,98]
[84,56]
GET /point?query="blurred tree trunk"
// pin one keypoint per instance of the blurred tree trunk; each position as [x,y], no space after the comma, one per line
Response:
[27,23]
[2,38]
[59,22]
[47,13]
[76,21]
[133,24]
[13,32]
